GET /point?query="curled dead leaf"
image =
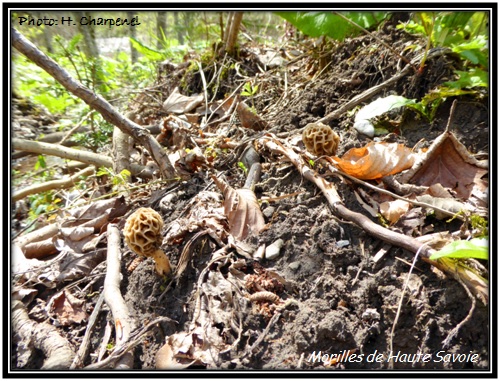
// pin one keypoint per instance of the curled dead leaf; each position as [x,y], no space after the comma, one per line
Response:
[393,210]
[180,104]
[447,162]
[249,119]
[241,209]
[376,160]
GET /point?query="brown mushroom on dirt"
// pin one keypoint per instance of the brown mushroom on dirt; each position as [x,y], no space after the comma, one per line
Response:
[320,139]
[142,233]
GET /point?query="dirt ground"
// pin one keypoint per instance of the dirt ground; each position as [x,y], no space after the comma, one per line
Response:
[334,298]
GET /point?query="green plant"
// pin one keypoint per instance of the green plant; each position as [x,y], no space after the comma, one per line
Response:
[475,248]
[243,167]
[316,24]
[464,32]
[45,202]
[120,179]
[250,90]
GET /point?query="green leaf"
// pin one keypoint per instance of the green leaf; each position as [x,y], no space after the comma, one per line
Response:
[149,53]
[475,248]
[316,24]
[469,79]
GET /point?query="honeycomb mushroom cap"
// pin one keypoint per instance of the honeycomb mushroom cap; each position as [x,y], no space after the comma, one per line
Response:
[142,233]
[320,139]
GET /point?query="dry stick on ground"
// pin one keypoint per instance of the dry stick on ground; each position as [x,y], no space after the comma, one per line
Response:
[121,350]
[42,336]
[124,323]
[400,240]
[84,346]
[109,113]
[69,153]
[49,185]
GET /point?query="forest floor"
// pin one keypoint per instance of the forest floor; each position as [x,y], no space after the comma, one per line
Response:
[334,296]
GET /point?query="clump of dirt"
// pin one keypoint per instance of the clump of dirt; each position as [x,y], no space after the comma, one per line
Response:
[336,300]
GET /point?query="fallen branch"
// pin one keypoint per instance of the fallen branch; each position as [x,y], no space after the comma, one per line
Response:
[84,346]
[341,211]
[49,185]
[124,323]
[56,349]
[69,153]
[108,112]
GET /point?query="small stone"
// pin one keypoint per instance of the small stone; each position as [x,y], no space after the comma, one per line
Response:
[269,211]
[342,243]
[294,266]
[273,250]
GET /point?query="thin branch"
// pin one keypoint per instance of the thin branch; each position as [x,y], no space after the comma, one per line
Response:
[97,102]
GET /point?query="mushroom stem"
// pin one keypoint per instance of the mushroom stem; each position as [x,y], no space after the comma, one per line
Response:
[162,264]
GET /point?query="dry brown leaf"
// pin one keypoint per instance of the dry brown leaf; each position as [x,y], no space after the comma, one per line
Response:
[393,210]
[242,210]
[447,162]
[179,104]
[376,160]
[249,119]
[67,309]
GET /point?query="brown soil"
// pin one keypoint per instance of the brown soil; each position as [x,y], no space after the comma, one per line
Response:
[336,298]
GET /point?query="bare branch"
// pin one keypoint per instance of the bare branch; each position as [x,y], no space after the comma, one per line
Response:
[109,113]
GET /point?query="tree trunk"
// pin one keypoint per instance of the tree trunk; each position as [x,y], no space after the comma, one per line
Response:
[132,31]
[233,28]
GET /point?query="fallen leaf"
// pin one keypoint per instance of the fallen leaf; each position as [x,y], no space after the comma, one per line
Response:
[376,160]
[447,162]
[241,209]
[249,119]
[67,309]
[179,104]
[393,210]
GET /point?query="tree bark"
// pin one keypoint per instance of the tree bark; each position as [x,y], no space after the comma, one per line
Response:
[109,113]
[232,34]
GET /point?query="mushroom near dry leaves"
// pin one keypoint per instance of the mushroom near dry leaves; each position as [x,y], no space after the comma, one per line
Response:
[320,139]
[142,233]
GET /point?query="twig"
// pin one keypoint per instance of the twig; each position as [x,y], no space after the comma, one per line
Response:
[121,350]
[454,331]
[124,323]
[68,153]
[391,337]
[43,336]
[261,337]
[84,346]
[54,184]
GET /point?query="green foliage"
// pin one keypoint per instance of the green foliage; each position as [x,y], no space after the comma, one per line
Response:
[249,90]
[317,24]
[447,28]
[475,248]
[44,202]
[464,32]
[480,224]
[149,53]
[430,103]
[120,179]
[98,137]
[243,167]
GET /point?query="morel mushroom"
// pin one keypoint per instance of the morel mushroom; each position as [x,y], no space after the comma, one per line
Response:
[320,139]
[142,233]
